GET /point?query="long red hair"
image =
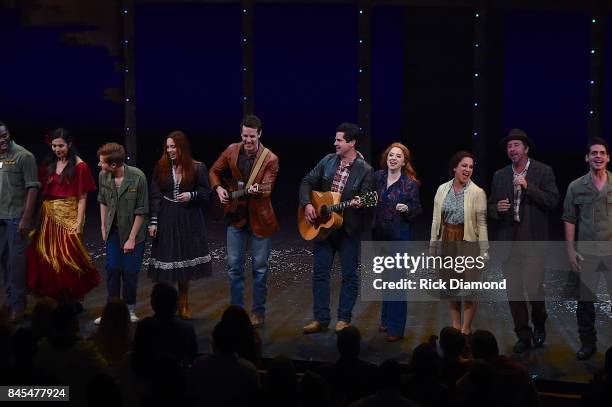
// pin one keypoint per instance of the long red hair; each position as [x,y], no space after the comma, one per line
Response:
[407,169]
[183,158]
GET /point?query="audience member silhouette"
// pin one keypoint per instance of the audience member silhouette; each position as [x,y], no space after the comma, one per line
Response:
[279,385]
[388,382]
[42,316]
[314,391]
[507,381]
[247,342]
[599,392]
[423,382]
[452,345]
[350,377]
[68,358]
[223,378]
[113,337]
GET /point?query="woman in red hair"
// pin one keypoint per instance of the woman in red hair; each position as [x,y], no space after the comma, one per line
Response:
[180,251]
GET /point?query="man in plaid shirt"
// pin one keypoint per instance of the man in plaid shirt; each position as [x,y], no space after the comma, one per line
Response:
[347,173]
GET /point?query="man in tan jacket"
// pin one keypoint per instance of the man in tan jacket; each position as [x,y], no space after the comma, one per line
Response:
[254,221]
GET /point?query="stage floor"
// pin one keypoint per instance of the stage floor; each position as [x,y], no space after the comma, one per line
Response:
[290,307]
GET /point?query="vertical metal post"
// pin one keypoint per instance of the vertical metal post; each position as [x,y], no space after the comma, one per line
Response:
[364,82]
[248,95]
[129,82]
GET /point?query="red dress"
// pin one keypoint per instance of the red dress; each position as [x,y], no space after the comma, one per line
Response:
[58,264]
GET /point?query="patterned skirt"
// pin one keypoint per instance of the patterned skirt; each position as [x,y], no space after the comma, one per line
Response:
[58,264]
[180,250]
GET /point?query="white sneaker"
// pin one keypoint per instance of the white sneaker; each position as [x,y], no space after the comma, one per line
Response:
[133,316]
[98,320]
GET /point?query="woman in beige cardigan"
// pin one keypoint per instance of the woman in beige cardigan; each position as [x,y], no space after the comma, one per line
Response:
[460,215]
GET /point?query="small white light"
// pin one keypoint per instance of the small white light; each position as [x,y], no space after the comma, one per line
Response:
[477,45]
[476,75]
[475,133]
[591,112]
[592,51]
[129,158]
[244,40]
[125,41]
[361,41]
[125,11]
[244,98]
[592,82]
[127,99]
[244,69]
[127,129]
[594,21]
[360,70]
[477,15]
[244,10]
[127,70]
[360,11]
[360,99]
[475,104]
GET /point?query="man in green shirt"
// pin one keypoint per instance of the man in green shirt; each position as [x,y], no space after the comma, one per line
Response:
[124,205]
[588,208]
[18,191]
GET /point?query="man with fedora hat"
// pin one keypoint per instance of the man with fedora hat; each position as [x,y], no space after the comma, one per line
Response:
[522,196]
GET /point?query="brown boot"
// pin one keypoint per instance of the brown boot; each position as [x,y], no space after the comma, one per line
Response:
[183,291]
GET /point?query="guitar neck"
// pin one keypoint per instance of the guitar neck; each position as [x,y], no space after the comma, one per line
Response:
[339,207]
[238,194]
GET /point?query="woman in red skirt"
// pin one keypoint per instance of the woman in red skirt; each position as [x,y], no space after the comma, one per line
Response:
[58,264]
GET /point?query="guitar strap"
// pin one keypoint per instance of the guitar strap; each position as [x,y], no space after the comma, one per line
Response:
[257,167]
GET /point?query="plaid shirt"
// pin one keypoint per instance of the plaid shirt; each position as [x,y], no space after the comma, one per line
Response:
[341,176]
[518,191]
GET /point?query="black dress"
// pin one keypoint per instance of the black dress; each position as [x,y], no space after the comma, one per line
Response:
[180,250]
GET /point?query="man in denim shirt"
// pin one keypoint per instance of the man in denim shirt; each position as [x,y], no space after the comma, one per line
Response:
[18,191]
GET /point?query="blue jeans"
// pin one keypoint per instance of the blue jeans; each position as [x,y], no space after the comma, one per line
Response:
[13,262]
[122,266]
[237,240]
[394,310]
[324,251]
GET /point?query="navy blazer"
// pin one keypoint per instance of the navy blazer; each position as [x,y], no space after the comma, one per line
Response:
[537,201]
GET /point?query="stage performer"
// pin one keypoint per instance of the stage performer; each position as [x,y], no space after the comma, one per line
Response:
[124,207]
[58,264]
[587,208]
[523,194]
[254,221]
[398,204]
[459,228]
[179,188]
[18,191]
[347,173]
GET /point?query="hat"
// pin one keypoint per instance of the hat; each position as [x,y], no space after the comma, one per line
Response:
[517,134]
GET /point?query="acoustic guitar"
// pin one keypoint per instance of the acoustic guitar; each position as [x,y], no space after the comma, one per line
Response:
[236,190]
[329,213]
